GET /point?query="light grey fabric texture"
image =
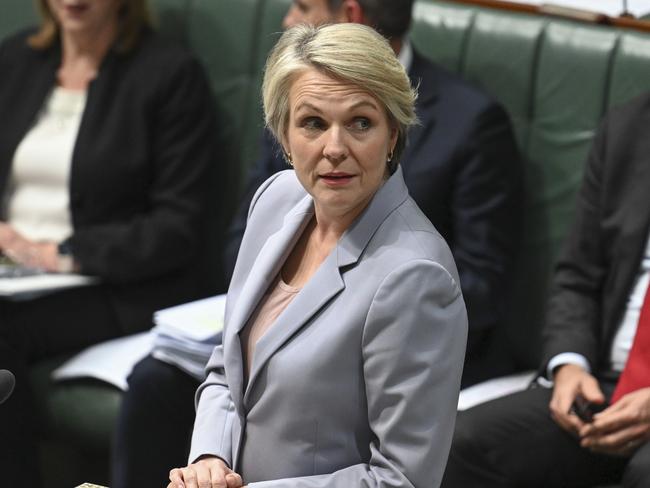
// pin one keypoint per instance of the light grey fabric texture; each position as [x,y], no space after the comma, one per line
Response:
[356,383]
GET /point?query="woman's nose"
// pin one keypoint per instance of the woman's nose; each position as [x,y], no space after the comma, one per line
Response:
[335,149]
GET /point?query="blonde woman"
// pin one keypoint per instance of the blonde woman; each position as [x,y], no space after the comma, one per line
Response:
[345,325]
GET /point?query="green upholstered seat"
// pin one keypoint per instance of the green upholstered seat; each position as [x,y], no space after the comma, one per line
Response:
[555,77]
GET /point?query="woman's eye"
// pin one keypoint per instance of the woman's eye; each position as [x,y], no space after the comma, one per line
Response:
[312,123]
[361,124]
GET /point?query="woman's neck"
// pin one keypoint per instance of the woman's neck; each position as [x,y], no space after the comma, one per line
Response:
[329,230]
[82,56]
[310,251]
[331,223]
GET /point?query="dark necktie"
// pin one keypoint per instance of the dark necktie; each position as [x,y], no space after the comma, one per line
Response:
[636,373]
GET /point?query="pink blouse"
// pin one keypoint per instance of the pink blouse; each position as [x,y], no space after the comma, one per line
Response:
[277,298]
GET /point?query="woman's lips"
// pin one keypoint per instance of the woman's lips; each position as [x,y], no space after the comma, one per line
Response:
[336,179]
[75,9]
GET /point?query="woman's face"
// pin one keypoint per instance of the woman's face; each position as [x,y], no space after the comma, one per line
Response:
[339,138]
[85,16]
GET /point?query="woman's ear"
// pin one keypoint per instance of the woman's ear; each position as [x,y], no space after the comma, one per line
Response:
[394,134]
[351,11]
[284,144]
[286,152]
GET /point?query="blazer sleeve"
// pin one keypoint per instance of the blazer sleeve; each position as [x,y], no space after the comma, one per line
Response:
[215,413]
[574,308]
[486,215]
[215,410]
[413,349]
[165,236]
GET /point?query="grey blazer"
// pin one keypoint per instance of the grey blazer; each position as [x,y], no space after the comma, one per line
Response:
[356,383]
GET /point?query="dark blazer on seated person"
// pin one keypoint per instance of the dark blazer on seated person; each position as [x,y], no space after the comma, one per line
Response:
[607,242]
[593,281]
[138,170]
[463,169]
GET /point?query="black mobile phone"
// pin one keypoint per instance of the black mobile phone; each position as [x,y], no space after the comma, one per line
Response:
[586,410]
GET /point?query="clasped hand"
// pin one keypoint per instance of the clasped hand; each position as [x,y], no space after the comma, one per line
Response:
[207,472]
[618,430]
[40,255]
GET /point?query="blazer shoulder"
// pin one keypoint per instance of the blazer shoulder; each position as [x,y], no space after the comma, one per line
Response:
[621,143]
[277,195]
[629,115]
[159,62]
[160,50]
[15,50]
[18,40]
[414,238]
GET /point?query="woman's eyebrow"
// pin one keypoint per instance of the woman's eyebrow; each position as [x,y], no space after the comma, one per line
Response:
[360,103]
[363,103]
[308,105]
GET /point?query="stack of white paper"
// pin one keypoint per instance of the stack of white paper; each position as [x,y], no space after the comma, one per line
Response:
[25,287]
[185,335]
[109,361]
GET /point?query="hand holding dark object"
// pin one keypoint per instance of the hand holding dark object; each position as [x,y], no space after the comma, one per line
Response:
[585,410]
[571,382]
[621,428]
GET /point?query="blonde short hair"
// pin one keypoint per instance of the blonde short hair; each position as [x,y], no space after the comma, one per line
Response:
[352,53]
[134,16]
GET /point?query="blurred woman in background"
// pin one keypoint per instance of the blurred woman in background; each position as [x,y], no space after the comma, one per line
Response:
[104,150]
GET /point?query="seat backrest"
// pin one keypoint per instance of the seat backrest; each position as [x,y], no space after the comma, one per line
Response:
[14,15]
[556,78]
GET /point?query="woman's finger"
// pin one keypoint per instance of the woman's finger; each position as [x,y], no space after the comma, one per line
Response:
[176,479]
[234,480]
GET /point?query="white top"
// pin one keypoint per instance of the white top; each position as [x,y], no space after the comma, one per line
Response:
[625,336]
[37,204]
[622,343]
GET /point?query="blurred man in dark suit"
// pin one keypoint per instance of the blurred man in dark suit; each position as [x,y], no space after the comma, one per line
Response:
[596,343]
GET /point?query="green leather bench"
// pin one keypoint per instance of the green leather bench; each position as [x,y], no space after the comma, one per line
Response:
[556,78]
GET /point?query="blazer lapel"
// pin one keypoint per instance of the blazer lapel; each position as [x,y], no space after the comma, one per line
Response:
[327,282]
[267,265]
[635,212]
[320,289]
